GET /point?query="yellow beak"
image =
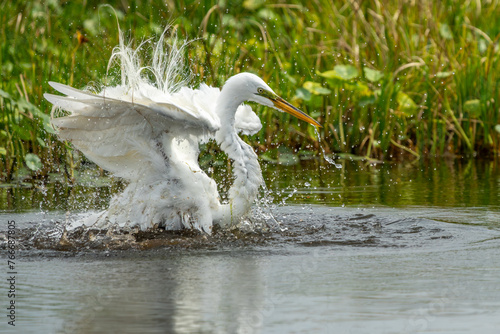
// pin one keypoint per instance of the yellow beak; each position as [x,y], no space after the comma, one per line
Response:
[287,107]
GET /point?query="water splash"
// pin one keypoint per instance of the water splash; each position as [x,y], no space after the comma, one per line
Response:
[327,158]
[264,209]
[265,205]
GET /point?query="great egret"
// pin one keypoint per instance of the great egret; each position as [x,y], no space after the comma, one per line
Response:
[148,134]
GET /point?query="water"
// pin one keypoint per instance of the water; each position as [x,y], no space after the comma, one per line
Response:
[328,159]
[393,248]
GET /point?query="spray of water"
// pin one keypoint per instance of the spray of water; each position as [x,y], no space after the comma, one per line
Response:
[265,205]
[263,215]
[327,158]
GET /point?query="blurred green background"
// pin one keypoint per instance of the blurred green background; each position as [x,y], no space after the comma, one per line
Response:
[388,80]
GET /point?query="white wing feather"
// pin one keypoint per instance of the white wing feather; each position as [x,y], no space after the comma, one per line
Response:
[123,136]
[117,130]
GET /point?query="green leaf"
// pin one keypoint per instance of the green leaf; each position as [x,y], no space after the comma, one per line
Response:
[33,162]
[5,95]
[41,142]
[366,100]
[315,114]
[230,21]
[21,132]
[350,156]
[497,128]
[253,4]
[91,26]
[3,151]
[270,156]
[43,117]
[372,75]
[341,72]
[307,155]
[361,88]
[48,128]
[482,46]
[266,14]
[406,104]
[303,94]
[290,78]
[443,74]
[445,31]
[28,106]
[8,67]
[286,156]
[473,107]
[346,72]
[316,88]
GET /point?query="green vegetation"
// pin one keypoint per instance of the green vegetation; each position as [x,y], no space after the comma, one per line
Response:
[386,79]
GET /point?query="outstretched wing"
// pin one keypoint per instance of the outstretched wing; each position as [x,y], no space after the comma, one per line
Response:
[129,134]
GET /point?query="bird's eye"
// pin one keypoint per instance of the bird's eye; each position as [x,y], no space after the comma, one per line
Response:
[260,90]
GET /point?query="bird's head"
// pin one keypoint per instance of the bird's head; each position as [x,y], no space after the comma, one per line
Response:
[252,88]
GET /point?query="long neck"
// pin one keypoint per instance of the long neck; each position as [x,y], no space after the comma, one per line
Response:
[248,175]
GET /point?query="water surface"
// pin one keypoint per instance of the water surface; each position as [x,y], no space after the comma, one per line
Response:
[392,248]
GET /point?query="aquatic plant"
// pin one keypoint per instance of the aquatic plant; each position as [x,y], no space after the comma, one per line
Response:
[386,79]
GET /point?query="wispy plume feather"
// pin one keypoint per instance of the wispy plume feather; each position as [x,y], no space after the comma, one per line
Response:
[168,66]
[167,70]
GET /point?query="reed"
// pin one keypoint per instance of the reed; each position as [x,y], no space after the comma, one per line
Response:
[387,80]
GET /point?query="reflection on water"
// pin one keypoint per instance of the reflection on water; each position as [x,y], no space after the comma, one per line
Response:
[165,293]
[334,271]
[393,248]
[442,183]
[426,183]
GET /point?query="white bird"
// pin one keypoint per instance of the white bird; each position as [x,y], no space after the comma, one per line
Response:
[148,132]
